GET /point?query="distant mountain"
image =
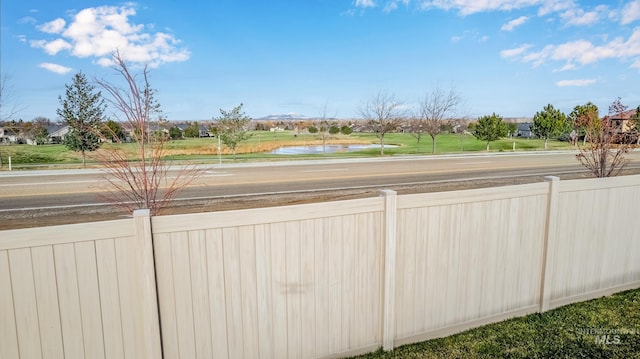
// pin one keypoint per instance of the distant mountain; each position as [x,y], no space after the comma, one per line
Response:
[283,117]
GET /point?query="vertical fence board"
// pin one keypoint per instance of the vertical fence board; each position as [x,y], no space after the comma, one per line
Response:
[89,295]
[26,308]
[249,292]
[166,294]
[309,287]
[233,291]
[200,293]
[44,276]
[333,229]
[110,298]
[70,316]
[183,294]
[360,334]
[278,290]
[321,252]
[264,290]
[8,334]
[418,225]
[348,272]
[389,230]
[293,289]
[215,267]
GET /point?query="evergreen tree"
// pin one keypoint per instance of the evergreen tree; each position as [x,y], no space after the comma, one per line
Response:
[113,131]
[82,109]
[548,123]
[175,133]
[490,128]
[192,131]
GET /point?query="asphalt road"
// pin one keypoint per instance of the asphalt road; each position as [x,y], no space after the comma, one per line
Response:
[53,190]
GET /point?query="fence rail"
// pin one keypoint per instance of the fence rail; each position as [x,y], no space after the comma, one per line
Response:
[315,280]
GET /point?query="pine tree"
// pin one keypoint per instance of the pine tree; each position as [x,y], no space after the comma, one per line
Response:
[490,128]
[548,123]
[82,109]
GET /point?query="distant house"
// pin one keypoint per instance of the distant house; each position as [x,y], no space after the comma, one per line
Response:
[623,121]
[204,131]
[58,132]
[10,135]
[623,124]
[524,130]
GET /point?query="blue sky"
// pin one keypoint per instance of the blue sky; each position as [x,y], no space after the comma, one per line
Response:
[315,57]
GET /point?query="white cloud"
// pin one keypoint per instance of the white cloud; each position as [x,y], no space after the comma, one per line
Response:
[552,6]
[101,31]
[468,7]
[566,67]
[579,17]
[631,12]
[393,4]
[514,23]
[514,52]
[28,20]
[52,27]
[470,35]
[565,83]
[365,3]
[52,47]
[582,52]
[59,69]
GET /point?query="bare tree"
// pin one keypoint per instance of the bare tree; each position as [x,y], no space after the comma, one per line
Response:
[323,128]
[143,183]
[460,127]
[417,129]
[437,109]
[604,156]
[7,109]
[383,114]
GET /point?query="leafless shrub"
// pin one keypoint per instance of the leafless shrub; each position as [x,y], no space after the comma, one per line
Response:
[142,182]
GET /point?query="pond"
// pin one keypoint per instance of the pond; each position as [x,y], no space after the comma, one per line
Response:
[318,149]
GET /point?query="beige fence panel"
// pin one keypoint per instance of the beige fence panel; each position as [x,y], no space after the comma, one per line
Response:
[291,282]
[596,249]
[466,258]
[76,291]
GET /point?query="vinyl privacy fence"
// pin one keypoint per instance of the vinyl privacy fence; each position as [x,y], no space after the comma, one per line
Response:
[316,280]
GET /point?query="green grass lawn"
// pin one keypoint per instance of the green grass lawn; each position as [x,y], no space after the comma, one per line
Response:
[260,143]
[566,332]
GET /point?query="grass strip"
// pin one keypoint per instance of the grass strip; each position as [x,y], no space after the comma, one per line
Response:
[607,327]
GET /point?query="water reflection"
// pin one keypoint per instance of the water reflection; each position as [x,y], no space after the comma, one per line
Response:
[318,149]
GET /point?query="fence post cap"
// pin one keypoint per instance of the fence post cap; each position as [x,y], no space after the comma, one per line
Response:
[142,213]
[387,192]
